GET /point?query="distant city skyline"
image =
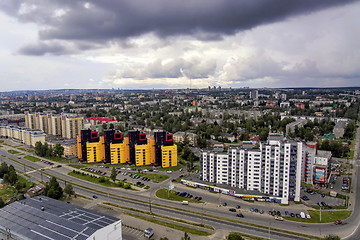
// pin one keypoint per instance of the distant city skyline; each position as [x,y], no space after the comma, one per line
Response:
[138,44]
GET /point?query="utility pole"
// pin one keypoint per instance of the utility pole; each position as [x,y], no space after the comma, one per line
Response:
[202,213]
[150,205]
[269,229]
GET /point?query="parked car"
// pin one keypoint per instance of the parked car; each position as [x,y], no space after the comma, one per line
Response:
[279,218]
[292,214]
[240,215]
[287,214]
[305,198]
[224,204]
[337,222]
[232,210]
[308,216]
[237,206]
[261,211]
[94,196]
[251,209]
[322,195]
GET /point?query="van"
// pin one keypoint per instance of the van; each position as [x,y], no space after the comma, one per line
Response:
[185,202]
[148,233]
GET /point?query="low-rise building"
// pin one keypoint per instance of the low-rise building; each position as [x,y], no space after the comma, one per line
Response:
[339,129]
[41,217]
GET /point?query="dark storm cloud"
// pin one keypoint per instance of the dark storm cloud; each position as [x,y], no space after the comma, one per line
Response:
[112,20]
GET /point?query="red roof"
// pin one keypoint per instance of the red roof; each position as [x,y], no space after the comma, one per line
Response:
[101,119]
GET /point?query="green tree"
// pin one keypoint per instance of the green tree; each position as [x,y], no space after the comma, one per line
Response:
[186,236]
[69,190]
[11,176]
[53,189]
[2,204]
[4,168]
[38,148]
[112,126]
[113,174]
[58,150]
[104,126]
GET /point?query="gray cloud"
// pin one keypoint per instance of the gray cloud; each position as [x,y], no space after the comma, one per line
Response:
[194,68]
[113,20]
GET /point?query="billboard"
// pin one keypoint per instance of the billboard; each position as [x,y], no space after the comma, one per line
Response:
[320,175]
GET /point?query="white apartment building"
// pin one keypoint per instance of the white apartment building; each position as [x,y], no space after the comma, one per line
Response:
[274,169]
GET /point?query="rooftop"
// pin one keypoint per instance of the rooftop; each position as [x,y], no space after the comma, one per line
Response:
[46,218]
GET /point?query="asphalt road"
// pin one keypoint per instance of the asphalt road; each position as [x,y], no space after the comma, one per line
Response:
[350,226]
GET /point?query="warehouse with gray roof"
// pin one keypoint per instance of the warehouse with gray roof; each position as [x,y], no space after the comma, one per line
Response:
[44,218]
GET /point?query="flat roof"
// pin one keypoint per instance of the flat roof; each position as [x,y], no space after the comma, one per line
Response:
[57,220]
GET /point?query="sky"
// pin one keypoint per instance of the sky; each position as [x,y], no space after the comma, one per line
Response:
[145,44]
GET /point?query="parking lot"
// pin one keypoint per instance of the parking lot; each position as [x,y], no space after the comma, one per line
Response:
[315,198]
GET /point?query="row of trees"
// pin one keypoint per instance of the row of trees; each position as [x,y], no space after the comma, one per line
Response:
[44,150]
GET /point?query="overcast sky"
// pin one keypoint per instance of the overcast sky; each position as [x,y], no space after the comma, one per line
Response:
[130,44]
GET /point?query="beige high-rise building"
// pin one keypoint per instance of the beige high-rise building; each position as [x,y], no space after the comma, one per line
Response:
[30,120]
[56,125]
[71,126]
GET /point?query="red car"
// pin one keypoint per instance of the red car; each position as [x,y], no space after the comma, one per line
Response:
[337,222]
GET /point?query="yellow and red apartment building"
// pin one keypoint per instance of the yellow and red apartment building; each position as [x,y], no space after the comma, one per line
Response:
[135,149]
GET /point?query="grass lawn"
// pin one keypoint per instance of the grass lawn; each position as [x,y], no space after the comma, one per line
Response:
[352,145]
[77,166]
[236,235]
[93,179]
[171,225]
[156,177]
[97,180]
[350,154]
[25,150]
[13,151]
[31,158]
[163,193]
[170,168]
[1,141]
[326,216]
[7,192]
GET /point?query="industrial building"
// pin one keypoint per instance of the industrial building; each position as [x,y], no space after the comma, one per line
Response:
[135,149]
[43,218]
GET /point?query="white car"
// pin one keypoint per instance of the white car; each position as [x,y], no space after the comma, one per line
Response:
[279,218]
[308,216]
